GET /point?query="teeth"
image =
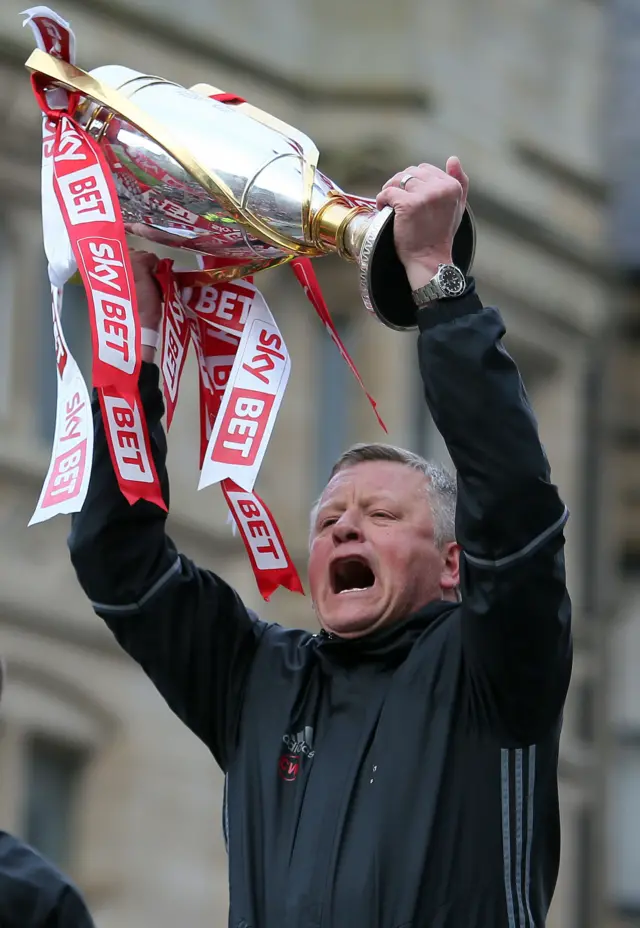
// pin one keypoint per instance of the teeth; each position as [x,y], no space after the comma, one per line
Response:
[354,589]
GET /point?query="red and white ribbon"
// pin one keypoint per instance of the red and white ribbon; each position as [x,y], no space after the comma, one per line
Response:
[52,34]
[87,204]
[218,351]
[226,306]
[250,403]
[209,399]
[271,562]
[67,480]
[175,337]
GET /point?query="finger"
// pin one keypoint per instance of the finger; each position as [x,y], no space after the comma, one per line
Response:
[454,169]
[395,180]
[419,173]
[148,258]
[151,264]
[143,262]
[427,170]
[136,228]
[393,197]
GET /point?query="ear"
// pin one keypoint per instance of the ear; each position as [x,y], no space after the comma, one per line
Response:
[450,574]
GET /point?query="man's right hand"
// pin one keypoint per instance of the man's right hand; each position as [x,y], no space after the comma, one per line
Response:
[149,295]
[428,211]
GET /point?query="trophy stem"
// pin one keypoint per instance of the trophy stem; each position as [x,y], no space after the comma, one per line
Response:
[355,232]
[340,226]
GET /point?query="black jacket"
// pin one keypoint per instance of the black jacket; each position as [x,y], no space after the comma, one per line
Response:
[33,894]
[407,779]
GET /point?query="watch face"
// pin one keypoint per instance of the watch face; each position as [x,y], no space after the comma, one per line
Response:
[451,280]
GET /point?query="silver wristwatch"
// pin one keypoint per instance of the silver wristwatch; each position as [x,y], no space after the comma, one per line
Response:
[448,282]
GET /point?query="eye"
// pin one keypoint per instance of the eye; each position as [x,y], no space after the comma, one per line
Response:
[381,514]
[330,520]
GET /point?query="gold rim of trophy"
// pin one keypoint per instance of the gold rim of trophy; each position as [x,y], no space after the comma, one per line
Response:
[73,78]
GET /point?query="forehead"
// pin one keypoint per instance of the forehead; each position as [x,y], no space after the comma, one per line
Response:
[373,479]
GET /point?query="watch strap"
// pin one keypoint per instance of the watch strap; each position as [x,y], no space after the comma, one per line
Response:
[427,294]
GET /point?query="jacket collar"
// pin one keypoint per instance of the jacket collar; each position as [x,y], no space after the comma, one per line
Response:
[388,646]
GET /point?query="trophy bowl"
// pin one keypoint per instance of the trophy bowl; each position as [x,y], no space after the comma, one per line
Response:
[197,171]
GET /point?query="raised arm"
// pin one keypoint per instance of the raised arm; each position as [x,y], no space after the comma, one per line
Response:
[510,518]
[187,629]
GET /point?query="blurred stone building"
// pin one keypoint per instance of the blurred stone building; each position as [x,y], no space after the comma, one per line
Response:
[93,767]
[623,436]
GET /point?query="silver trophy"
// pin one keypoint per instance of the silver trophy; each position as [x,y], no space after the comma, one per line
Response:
[227,180]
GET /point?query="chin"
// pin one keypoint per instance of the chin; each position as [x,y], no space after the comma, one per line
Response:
[350,619]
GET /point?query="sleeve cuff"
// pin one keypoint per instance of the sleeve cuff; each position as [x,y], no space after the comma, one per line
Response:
[149,376]
[466,304]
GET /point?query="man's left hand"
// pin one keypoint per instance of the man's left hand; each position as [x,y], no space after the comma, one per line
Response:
[143,264]
[428,212]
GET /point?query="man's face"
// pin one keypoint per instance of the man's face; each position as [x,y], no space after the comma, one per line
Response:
[373,557]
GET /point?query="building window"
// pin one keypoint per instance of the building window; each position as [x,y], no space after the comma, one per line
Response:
[335,383]
[77,332]
[52,780]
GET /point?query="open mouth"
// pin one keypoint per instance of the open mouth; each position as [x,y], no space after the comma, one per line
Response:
[351,575]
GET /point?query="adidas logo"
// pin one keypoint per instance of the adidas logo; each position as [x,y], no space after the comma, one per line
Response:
[301,743]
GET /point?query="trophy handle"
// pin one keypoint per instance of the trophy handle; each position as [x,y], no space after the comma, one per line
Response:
[310,151]
[72,78]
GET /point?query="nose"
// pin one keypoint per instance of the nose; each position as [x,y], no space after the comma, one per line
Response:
[347,528]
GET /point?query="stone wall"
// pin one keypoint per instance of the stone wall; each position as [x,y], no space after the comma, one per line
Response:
[514,91]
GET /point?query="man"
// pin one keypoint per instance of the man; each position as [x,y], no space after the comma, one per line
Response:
[399,769]
[33,894]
